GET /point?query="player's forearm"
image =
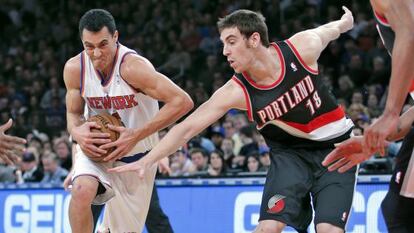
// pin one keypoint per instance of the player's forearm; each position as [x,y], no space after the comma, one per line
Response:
[175,138]
[330,31]
[168,114]
[401,73]
[404,125]
[73,120]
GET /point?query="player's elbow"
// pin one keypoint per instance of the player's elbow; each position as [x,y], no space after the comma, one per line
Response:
[186,103]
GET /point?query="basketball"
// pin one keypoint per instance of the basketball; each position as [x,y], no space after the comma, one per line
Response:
[104,120]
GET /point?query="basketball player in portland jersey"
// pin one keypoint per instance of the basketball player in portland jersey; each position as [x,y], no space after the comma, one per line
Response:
[10,146]
[279,86]
[108,77]
[395,22]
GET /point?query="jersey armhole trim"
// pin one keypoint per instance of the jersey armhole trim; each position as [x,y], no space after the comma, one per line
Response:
[246,97]
[302,62]
[120,74]
[381,19]
[82,76]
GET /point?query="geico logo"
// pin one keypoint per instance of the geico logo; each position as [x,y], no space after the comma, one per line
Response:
[36,213]
[364,218]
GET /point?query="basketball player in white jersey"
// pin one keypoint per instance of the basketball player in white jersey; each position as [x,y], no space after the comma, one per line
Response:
[110,78]
[9,145]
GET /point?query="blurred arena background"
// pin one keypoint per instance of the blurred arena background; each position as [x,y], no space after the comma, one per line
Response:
[217,178]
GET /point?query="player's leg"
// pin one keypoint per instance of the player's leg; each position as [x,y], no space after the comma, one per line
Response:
[157,221]
[90,185]
[269,226]
[286,199]
[80,215]
[127,211]
[398,212]
[332,196]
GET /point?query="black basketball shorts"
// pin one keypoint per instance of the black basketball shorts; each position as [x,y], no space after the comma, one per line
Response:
[296,179]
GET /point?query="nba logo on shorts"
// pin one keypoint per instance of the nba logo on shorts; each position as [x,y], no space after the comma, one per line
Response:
[276,204]
[398,177]
[344,215]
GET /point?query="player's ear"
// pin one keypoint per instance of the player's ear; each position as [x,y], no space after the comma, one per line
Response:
[116,34]
[255,39]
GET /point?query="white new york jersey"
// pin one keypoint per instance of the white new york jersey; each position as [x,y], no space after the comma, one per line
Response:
[115,95]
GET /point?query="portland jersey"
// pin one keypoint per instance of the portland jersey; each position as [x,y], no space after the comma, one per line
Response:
[115,95]
[385,31]
[297,110]
[388,36]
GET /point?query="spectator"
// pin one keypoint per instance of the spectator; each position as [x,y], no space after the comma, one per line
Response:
[62,149]
[345,88]
[264,158]
[7,173]
[181,165]
[31,172]
[217,136]
[253,162]
[227,147]
[199,158]
[217,165]
[53,172]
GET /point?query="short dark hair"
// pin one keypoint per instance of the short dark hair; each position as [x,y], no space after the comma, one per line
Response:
[198,150]
[247,22]
[94,20]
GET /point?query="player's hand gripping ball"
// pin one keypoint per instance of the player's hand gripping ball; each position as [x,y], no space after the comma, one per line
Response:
[104,120]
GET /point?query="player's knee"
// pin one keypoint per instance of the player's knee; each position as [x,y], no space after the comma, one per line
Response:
[84,191]
[270,226]
[328,228]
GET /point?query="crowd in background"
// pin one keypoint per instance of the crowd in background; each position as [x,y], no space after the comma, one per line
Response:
[181,39]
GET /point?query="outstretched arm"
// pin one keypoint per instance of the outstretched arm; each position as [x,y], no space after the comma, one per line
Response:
[228,97]
[311,43]
[10,146]
[400,15]
[351,152]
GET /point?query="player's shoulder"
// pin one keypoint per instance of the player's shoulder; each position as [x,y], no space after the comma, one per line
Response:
[231,94]
[73,64]
[72,70]
[133,60]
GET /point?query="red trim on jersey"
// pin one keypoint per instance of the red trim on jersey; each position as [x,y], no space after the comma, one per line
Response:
[107,81]
[246,97]
[411,87]
[382,38]
[319,121]
[302,62]
[82,76]
[278,80]
[381,18]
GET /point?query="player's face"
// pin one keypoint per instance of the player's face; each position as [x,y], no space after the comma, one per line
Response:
[237,49]
[100,47]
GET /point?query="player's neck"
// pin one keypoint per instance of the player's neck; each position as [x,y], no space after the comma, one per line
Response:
[266,67]
[106,72]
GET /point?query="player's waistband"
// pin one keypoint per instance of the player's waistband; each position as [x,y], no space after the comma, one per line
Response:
[133,158]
